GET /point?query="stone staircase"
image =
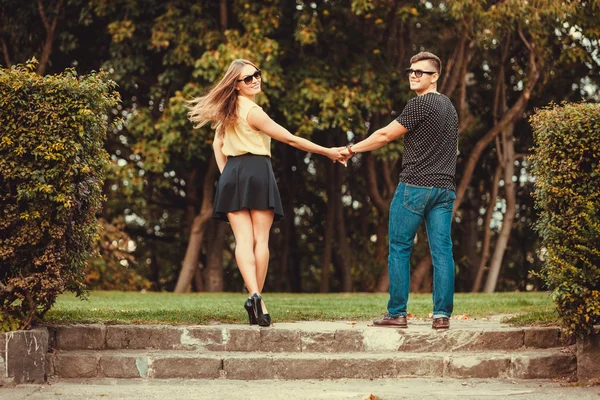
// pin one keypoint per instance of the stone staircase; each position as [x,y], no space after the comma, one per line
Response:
[308,350]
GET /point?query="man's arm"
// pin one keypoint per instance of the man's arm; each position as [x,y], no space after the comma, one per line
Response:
[379,138]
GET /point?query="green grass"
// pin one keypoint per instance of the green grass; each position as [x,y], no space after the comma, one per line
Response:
[203,308]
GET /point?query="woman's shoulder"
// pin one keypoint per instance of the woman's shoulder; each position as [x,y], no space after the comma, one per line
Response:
[246,102]
[244,107]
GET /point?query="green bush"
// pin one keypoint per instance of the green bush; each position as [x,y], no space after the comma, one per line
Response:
[52,158]
[566,164]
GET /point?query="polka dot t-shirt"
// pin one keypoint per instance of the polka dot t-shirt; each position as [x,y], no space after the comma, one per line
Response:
[431,141]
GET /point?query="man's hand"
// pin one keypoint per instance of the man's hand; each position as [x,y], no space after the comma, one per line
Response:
[346,154]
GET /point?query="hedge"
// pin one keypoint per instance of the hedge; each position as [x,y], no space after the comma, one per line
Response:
[52,158]
[566,164]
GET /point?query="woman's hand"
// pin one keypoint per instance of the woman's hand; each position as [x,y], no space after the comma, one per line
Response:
[334,154]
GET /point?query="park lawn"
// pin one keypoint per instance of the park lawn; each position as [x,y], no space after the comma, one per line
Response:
[203,308]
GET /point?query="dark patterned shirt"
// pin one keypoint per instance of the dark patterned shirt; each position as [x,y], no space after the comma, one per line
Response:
[430,145]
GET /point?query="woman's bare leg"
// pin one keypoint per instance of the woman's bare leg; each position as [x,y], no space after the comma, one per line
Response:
[261,227]
[241,224]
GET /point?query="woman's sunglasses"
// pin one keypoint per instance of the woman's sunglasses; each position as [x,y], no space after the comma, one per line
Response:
[248,79]
[418,72]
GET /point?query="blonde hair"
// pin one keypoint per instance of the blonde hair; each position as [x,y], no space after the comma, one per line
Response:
[220,103]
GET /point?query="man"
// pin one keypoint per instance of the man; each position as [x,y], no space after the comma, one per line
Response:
[426,190]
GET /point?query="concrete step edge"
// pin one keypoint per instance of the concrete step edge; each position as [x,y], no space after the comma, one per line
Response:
[225,354]
[183,365]
[236,338]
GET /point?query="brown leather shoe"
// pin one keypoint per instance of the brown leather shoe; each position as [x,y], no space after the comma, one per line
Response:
[441,323]
[391,322]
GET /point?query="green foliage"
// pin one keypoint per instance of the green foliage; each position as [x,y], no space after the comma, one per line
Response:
[113,267]
[332,72]
[567,166]
[52,164]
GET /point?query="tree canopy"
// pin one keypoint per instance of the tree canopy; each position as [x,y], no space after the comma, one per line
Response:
[333,72]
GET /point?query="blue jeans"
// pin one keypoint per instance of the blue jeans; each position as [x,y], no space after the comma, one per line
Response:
[410,205]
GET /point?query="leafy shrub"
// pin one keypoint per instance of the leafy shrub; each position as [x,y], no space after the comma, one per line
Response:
[52,130]
[112,268]
[566,163]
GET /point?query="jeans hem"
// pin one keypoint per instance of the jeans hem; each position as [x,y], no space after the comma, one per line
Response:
[396,315]
[441,315]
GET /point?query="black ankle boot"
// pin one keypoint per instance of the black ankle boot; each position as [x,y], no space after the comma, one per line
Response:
[250,310]
[261,318]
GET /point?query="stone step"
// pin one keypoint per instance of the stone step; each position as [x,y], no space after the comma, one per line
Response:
[163,364]
[317,337]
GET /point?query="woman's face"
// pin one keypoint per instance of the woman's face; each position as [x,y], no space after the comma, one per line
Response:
[249,81]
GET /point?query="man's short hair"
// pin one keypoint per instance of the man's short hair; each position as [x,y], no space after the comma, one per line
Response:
[432,58]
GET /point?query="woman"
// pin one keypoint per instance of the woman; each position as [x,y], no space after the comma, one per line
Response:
[247,195]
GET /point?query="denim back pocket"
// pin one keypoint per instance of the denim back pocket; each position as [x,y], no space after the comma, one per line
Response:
[416,197]
[449,198]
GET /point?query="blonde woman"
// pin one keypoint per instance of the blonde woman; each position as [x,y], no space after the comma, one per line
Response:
[247,195]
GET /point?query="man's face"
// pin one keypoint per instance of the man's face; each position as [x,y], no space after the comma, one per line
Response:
[422,83]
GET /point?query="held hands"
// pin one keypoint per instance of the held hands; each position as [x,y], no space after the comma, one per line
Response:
[346,154]
[339,154]
[334,154]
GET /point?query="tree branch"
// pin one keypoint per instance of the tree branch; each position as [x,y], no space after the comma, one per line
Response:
[387,177]
[43,15]
[525,41]
[499,150]
[372,189]
[514,113]
[521,155]
[50,31]
[455,75]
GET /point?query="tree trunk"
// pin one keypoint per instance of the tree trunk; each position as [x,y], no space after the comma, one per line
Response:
[50,34]
[223,15]
[469,238]
[282,282]
[192,254]
[213,272]
[294,278]
[6,54]
[154,270]
[199,281]
[329,228]
[485,248]
[282,279]
[383,283]
[420,273]
[382,200]
[381,255]
[509,215]
[344,250]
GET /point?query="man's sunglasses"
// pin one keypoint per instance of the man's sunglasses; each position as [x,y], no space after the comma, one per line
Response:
[248,79]
[418,73]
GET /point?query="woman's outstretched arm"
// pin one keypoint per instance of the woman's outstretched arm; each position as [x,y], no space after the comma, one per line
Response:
[260,121]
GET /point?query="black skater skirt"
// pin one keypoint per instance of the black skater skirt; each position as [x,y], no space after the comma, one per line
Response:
[247,182]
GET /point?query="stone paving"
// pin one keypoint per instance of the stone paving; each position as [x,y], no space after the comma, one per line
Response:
[347,389]
[309,350]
